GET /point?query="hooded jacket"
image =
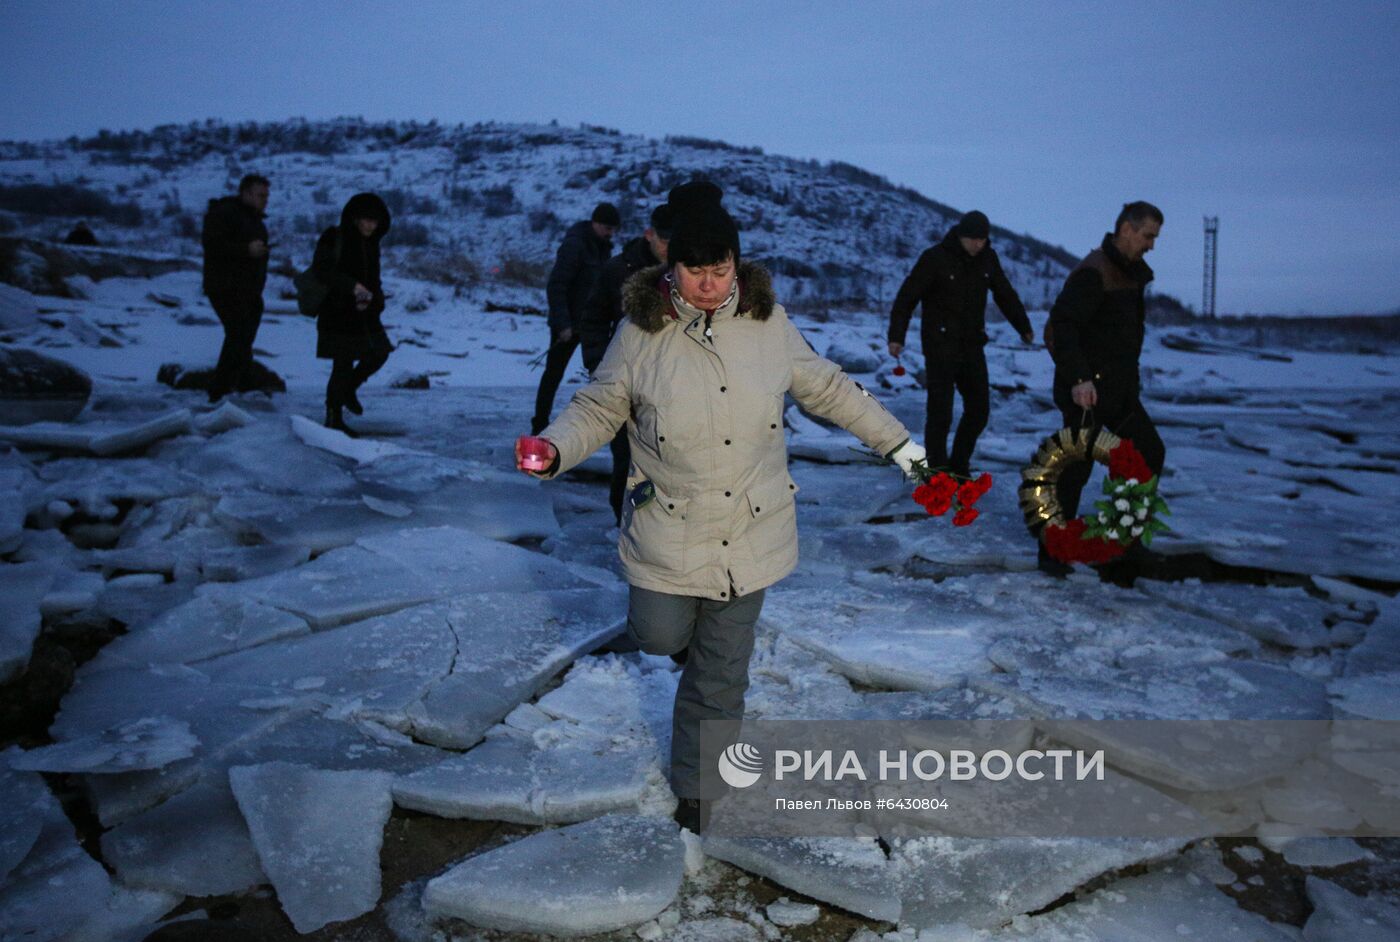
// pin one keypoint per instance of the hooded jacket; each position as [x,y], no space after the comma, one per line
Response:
[230,273]
[581,255]
[1097,325]
[343,259]
[704,417]
[952,286]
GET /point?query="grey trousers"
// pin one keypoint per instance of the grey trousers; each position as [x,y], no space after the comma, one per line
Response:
[710,696]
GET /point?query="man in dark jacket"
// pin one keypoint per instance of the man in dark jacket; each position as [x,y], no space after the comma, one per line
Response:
[235,272]
[585,248]
[81,234]
[349,330]
[951,280]
[1095,335]
[601,315]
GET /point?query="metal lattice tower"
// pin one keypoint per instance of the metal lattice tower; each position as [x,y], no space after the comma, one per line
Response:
[1208,286]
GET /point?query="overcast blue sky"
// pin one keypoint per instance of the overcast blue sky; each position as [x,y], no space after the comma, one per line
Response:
[1283,118]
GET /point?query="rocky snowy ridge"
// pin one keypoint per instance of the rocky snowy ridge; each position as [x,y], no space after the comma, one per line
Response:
[492,200]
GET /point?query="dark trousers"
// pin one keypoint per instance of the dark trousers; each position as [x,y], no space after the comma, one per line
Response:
[710,696]
[963,368]
[349,374]
[240,320]
[622,460]
[555,363]
[1131,422]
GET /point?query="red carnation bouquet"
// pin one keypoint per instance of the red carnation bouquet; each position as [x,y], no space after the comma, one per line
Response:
[939,492]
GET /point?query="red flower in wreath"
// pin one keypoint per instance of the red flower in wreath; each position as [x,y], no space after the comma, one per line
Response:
[964,516]
[1125,462]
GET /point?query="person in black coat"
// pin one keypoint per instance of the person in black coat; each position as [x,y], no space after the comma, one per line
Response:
[349,332]
[235,273]
[81,234]
[951,281]
[586,246]
[601,315]
[1095,335]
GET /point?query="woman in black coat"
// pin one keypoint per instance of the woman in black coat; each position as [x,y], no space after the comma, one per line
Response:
[348,329]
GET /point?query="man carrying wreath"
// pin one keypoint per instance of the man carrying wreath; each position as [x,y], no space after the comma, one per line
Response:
[1095,335]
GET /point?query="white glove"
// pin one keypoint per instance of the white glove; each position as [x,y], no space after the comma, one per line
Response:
[905,456]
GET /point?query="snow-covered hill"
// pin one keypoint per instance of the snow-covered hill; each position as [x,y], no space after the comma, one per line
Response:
[492,200]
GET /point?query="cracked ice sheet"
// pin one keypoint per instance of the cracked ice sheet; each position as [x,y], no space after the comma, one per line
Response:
[791,683]
[56,888]
[506,511]
[597,876]
[909,634]
[22,587]
[147,743]
[220,619]
[592,750]
[984,883]
[849,872]
[24,798]
[1150,908]
[390,571]
[910,637]
[194,844]
[511,644]
[93,483]
[162,847]
[1340,915]
[1249,521]
[1076,683]
[1288,617]
[318,835]
[1379,651]
[832,496]
[375,669]
[265,456]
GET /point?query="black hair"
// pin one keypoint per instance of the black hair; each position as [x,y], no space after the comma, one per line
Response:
[1137,213]
[252,180]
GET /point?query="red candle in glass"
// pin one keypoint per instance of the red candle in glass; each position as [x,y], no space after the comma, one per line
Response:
[535,453]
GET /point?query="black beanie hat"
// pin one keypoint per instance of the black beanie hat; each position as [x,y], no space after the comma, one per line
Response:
[701,225]
[663,220]
[607,214]
[975,225]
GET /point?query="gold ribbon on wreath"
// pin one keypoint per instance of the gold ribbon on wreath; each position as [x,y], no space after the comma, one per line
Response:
[1039,490]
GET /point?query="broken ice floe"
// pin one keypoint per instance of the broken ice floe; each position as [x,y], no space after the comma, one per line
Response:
[598,876]
[318,835]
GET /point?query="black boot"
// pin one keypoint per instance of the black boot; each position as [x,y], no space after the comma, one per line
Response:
[352,402]
[693,814]
[681,656]
[1050,565]
[336,420]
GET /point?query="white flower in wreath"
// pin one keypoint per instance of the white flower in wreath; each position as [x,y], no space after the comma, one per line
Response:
[1120,488]
[1103,517]
[1121,504]
[1136,531]
[1132,482]
[1142,513]
[1126,520]
[1113,534]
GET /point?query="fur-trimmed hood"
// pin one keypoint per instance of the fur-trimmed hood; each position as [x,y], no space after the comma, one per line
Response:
[647,302]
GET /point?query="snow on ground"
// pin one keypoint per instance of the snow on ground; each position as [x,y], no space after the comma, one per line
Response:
[310,621]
